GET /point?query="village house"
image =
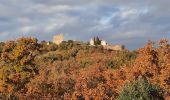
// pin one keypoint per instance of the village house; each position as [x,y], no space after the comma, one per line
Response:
[103,43]
[91,42]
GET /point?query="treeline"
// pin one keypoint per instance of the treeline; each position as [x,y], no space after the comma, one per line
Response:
[30,70]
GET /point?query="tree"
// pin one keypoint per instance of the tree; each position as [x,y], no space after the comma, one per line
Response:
[97,41]
[140,89]
[18,65]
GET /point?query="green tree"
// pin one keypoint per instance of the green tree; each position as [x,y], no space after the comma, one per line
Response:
[140,89]
[97,41]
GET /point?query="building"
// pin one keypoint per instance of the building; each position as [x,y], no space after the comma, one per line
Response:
[91,42]
[103,43]
[57,39]
[48,43]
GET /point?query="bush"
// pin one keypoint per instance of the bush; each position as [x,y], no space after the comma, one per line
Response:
[140,89]
[65,45]
[8,96]
[122,58]
[18,65]
[1,46]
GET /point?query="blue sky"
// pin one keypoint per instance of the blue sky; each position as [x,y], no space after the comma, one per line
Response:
[128,22]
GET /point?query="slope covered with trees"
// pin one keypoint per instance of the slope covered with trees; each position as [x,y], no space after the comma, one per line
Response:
[30,70]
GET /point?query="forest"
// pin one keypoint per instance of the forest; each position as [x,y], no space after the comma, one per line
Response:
[74,70]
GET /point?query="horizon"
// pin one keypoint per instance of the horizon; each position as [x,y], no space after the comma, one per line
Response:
[113,44]
[131,23]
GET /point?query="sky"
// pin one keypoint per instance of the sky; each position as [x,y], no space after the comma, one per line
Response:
[128,22]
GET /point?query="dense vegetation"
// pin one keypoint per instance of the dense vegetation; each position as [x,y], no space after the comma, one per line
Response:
[35,70]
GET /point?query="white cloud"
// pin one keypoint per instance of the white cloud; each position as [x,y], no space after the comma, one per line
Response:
[27,29]
[131,13]
[51,27]
[24,20]
[46,9]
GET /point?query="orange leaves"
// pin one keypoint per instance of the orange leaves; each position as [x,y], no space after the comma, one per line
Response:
[153,63]
[78,71]
[95,83]
[18,60]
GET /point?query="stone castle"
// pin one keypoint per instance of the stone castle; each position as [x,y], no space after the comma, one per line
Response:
[57,39]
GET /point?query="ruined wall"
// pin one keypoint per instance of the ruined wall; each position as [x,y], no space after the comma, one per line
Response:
[115,47]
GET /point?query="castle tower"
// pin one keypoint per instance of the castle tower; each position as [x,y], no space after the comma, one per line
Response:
[57,39]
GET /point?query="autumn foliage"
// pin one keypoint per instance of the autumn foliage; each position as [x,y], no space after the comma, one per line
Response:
[73,70]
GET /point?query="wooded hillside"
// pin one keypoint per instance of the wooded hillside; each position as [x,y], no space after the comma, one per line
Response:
[30,70]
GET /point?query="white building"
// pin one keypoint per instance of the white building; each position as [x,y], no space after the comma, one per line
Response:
[48,43]
[92,42]
[103,43]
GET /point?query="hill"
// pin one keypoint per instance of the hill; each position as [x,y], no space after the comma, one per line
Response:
[75,70]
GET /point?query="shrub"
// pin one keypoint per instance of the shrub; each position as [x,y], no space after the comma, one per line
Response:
[140,89]
[122,58]
[65,45]
[1,46]
[18,65]
[8,96]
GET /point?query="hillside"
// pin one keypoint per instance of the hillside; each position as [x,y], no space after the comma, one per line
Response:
[74,70]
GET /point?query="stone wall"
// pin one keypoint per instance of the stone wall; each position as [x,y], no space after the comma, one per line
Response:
[115,47]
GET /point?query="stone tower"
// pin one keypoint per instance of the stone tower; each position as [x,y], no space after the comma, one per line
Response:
[57,39]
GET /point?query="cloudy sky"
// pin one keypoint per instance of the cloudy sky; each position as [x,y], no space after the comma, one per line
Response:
[129,22]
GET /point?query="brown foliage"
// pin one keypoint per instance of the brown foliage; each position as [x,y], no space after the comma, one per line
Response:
[17,65]
[152,63]
[75,70]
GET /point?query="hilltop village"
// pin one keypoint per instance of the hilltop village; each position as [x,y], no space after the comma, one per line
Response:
[59,38]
